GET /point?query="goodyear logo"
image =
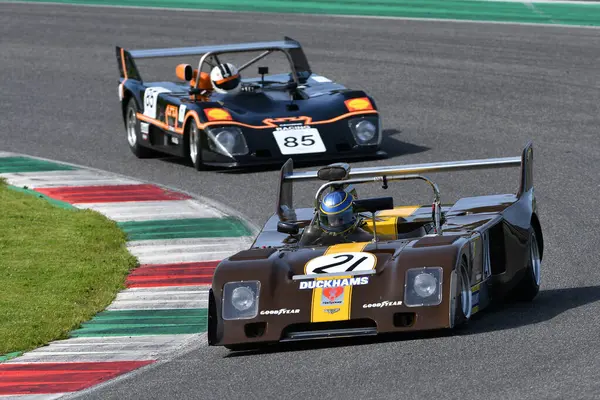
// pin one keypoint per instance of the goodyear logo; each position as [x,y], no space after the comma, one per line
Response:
[383,304]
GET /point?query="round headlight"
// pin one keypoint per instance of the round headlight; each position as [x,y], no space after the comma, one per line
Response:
[227,139]
[242,298]
[425,284]
[365,131]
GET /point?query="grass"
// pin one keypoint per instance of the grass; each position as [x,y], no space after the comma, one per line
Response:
[58,267]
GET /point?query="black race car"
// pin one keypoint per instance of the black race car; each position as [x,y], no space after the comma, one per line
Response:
[271,118]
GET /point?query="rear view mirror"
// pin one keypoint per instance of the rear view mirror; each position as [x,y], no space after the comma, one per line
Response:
[184,72]
[291,228]
[372,205]
[334,172]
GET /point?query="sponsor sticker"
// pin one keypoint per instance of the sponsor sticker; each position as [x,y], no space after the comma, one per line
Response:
[331,310]
[289,127]
[331,283]
[383,304]
[182,109]
[280,311]
[332,296]
[144,126]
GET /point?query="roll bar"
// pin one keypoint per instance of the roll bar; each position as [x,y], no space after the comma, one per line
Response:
[285,207]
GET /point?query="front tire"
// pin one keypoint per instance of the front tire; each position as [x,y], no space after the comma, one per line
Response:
[463,301]
[193,143]
[132,128]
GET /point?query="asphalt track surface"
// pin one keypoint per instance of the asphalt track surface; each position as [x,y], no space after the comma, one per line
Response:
[447,91]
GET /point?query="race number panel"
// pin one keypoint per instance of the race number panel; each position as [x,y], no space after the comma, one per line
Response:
[299,141]
[341,262]
[151,99]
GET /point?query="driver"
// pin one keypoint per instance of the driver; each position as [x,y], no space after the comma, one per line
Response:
[225,78]
[338,221]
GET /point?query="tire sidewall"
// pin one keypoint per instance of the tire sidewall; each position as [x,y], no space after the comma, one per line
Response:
[132,105]
[198,165]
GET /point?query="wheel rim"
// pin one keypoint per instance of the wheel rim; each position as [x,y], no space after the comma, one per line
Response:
[465,294]
[194,143]
[131,125]
[536,262]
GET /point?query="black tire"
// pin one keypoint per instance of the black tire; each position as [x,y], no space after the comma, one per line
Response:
[464,301]
[193,145]
[132,130]
[529,286]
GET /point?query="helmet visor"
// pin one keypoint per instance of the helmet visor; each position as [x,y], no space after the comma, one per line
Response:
[337,222]
[228,83]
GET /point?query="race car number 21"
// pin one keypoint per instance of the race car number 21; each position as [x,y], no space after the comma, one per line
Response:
[299,141]
[341,262]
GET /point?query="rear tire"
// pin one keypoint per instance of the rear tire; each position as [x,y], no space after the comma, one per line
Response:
[529,286]
[132,128]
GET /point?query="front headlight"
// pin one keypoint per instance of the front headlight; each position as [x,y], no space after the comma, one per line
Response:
[423,287]
[364,130]
[227,140]
[240,300]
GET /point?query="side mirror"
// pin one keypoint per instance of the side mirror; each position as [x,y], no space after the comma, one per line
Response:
[372,205]
[263,70]
[291,228]
[184,72]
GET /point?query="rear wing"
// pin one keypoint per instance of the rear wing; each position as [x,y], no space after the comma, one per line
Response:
[285,206]
[290,47]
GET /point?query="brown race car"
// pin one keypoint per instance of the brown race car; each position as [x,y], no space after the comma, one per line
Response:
[423,267]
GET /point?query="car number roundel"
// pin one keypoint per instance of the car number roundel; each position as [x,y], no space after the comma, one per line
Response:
[151,100]
[341,262]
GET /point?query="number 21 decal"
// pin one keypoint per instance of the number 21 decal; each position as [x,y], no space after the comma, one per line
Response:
[341,262]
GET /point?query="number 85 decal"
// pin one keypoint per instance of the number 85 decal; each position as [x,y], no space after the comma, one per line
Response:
[341,262]
[292,141]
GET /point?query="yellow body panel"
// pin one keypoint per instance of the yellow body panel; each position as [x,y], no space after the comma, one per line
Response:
[387,220]
[337,300]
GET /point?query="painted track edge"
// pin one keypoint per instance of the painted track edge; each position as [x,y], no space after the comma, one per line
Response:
[438,20]
[254,228]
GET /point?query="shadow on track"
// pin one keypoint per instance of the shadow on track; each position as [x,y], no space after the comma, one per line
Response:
[504,316]
[392,146]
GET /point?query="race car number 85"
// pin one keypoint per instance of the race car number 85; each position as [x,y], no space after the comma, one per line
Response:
[292,141]
[341,262]
[299,141]
[151,100]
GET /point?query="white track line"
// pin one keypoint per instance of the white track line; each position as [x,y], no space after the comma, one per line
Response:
[48,179]
[153,210]
[183,250]
[161,298]
[33,396]
[101,349]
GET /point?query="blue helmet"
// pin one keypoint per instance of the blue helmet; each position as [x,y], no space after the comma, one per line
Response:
[335,212]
